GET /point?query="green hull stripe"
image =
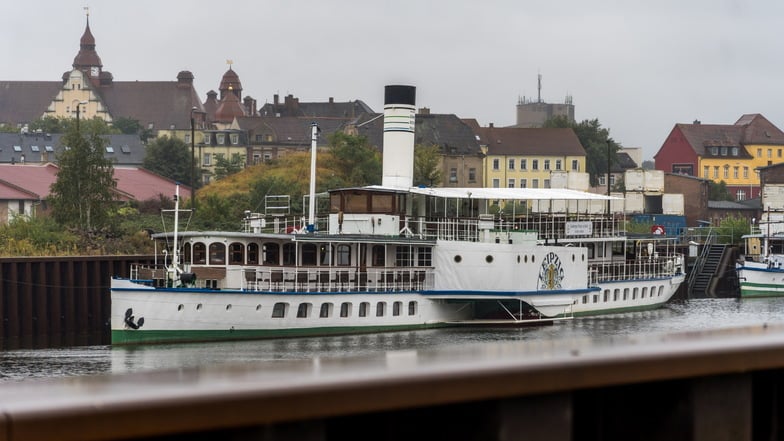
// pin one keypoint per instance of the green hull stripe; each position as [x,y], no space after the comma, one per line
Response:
[751,289]
[133,336]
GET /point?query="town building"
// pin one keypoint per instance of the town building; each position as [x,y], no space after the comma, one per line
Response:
[88,91]
[40,148]
[721,152]
[24,188]
[524,157]
[534,113]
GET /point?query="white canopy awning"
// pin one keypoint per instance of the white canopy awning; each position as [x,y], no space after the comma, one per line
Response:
[526,194]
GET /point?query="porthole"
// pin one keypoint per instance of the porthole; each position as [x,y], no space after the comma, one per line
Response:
[518,259]
[489,259]
[180,307]
[572,257]
[258,307]
[228,307]
[458,259]
[533,258]
[525,258]
[198,307]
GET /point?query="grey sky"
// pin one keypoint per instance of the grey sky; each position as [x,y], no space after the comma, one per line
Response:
[639,67]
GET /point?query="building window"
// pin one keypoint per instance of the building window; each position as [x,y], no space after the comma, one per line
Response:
[726,172]
[221,139]
[471,175]
[452,174]
[17,148]
[735,172]
[547,164]
[575,165]
[716,172]
[778,153]
[496,182]
[207,160]
[235,139]
[511,164]
[602,180]
[535,164]
[523,164]
[745,172]
[206,139]
[187,139]
[557,164]
[734,151]
[523,183]
[759,153]
[724,151]
[770,153]
[740,195]
[546,183]
[706,172]
[511,183]
[714,151]
[534,183]
[496,164]
[109,149]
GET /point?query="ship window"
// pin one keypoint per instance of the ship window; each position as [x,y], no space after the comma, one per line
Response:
[402,256]
[396,307]
[258,307]
[199,253]
[289,254]
[412,308]
[381,308]
[381,203]
[489,259]
[309,254]
[606,295]
[198,307]
[425,256]
[363,309]
[228,307]
[279,310]
[186,253]
[345,309]
[326,310]
[596,298]
[270,253]
[634,293]
[343,255]
[180,307]
[303,311]
[458,259]
[253,254]
[585,299]
[236,253]
[616,293]
[644,291]
[217,253]
[626,293]
[378,255]
[661,290]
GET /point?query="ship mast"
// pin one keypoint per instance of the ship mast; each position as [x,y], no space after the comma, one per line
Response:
[175,265]
[312,200]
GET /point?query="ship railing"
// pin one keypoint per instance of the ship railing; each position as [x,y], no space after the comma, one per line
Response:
[643,268]
[337,279]
[143,271]
[547,227]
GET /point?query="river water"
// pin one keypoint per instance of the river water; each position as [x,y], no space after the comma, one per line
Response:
[679,317]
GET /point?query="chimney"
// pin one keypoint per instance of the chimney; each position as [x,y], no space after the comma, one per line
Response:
[399,124]
[491,125]
[424,111]
[331,100]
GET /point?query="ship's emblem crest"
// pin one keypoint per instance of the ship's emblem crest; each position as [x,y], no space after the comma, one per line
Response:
[551,272]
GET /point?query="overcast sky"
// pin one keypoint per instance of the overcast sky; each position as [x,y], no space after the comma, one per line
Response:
[638,67]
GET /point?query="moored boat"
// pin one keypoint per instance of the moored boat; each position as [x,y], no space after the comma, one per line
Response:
[395,257]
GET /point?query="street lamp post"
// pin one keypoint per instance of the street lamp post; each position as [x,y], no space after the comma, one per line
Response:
[608,177]
[193,160]
[78,108]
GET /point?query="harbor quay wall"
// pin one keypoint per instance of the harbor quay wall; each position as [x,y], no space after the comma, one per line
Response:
[716,385]
[58,301]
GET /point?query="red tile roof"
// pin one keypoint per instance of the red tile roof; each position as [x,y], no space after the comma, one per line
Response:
[32,181]
[530,141]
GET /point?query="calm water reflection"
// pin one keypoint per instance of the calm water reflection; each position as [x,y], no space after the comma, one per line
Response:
[679,317]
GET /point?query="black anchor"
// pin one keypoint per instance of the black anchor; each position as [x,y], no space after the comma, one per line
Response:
[130,322]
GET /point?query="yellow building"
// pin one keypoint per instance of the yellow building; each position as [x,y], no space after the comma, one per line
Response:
[525,157]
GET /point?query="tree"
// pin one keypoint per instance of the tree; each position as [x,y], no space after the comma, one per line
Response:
[225,167]
[427,165]
[732,228]
[170,157]
[718,192]
[83,193]
[130,126]
[595,140]
[648,165]
[354,160]
[50,124]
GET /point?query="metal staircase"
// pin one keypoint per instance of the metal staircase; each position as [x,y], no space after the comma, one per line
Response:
[705,268]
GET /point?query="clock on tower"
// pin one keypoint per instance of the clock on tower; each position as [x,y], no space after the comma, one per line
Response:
[94,71]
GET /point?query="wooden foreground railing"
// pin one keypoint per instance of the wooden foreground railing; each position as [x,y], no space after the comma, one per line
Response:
[720,385]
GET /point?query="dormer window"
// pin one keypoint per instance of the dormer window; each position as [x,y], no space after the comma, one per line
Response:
[17,148]
[235,139]
[109,149]
[35,148]
[221,139]
[714,151]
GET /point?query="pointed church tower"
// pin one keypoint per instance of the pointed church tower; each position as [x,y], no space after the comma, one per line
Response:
[87,60]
